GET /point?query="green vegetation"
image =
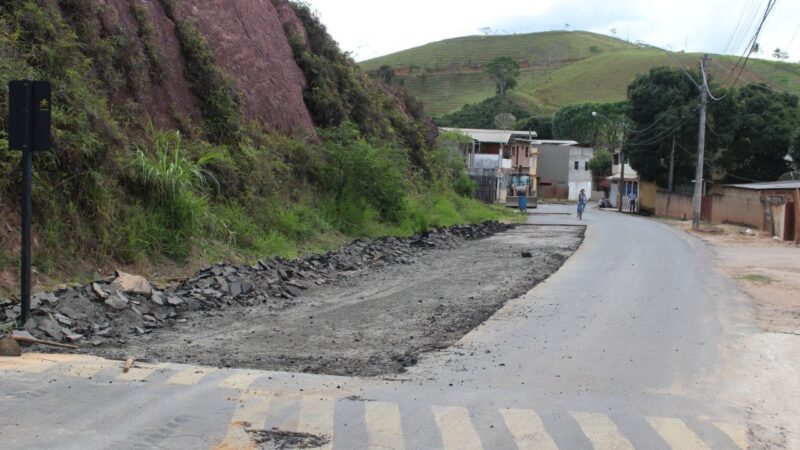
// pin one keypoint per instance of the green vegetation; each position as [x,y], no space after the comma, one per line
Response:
[580,123]
[504,71]
[481,115]
[113,191]
[749,129]
[557,69]
[756,278]
[601,163]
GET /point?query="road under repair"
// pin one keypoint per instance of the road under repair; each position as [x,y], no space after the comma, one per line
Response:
[373,321]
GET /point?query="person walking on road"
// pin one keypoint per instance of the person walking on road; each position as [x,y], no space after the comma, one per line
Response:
[581,203]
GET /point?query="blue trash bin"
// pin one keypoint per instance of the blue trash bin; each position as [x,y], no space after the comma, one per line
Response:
[523,203]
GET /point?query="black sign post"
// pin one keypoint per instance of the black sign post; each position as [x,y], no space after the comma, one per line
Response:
[28,131]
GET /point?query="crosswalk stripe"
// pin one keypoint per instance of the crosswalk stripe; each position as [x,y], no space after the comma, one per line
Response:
[603,433]
[137,373]
[456,428]
[251,413]
[316,417]
[383,426]
[85,370]
[528,429]
[737,433]
[676,433]
[191,376]
[23,364]
[240,380]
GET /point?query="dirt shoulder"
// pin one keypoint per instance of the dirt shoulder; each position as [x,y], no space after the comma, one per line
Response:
[766,269]
[373,322]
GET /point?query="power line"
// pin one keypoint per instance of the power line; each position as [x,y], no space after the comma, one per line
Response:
[754,39]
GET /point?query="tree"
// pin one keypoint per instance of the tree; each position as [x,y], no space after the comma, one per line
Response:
[386,74]
[780,55]
[504,70]
[748,130]
[755,49]
[577,123]
[542,126]
[762,135]
[481,115]
[661,105]
[794,148]
[600,166]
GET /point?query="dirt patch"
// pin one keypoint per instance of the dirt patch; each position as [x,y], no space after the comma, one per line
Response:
[369,321]
[768,270]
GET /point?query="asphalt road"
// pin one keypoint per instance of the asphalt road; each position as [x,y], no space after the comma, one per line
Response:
[634,343]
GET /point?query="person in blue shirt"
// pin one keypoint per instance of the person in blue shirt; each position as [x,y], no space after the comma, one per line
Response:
[581,203]
[632,198]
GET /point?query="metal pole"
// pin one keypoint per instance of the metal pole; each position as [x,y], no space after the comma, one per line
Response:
[697,200]
[25,294]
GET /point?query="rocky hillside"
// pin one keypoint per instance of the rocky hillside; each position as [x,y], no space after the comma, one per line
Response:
[191,130]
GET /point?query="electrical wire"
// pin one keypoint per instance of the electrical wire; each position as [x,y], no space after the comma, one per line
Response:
[754,39]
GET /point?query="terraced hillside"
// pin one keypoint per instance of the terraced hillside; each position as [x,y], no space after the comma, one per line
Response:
[558,68]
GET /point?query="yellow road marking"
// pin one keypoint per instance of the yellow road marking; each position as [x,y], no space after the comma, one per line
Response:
[456,428]
[240,380]
[316,417]
[251,413]
[603,433]
[528,429]
[24,364]
[384,426]
[85,370]
[191,376]
[737,433]
[137,373]
[676,433]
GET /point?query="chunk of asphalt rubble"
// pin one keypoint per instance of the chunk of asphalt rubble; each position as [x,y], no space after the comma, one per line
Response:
[99,292]
[71,335]
[157,298]
[117,301]
[527,255]
[174,301]
[133,284]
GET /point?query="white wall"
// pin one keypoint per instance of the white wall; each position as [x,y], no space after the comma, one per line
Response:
[576,186]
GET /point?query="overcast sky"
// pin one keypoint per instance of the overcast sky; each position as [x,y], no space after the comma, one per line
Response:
[370,28]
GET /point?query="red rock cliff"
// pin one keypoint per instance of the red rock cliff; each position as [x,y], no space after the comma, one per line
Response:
[249,42]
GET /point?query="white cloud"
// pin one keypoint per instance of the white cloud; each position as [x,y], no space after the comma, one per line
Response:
[370,28]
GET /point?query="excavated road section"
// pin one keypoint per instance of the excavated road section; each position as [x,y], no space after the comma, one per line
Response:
[374,321]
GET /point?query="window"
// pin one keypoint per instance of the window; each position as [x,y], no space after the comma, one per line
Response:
[616,159]
[577,165]
[586,165]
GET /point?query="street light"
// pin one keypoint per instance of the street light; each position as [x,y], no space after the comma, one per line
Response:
[621,162]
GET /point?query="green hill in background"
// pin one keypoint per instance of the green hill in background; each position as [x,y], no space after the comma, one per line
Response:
[558,68]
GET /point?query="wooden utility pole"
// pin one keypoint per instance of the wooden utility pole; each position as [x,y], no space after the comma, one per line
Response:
[697,200]
[671,174]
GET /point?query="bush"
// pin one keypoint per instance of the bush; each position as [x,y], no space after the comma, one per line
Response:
[464,186]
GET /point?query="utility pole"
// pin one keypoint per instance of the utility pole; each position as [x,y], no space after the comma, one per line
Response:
[620,195]
[697,200]
[671,174]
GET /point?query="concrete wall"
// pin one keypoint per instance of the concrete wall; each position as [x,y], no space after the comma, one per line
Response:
[553,163]
[674,205]
[647,196]
[738,206]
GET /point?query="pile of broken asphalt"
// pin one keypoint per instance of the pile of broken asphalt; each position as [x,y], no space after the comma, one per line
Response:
[124,306]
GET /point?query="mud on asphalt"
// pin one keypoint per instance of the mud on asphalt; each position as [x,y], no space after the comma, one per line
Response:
[368,309]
